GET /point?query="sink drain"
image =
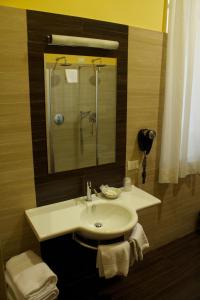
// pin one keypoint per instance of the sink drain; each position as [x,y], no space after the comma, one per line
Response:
[98,224]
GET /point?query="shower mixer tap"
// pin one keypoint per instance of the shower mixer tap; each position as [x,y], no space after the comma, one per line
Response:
[84,114]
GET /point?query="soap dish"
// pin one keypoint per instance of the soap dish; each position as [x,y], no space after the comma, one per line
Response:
[110,192]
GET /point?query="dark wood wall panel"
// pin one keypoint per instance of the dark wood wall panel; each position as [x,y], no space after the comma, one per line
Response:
[52,188]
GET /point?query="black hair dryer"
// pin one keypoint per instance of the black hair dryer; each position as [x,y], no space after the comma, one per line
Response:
[145,141]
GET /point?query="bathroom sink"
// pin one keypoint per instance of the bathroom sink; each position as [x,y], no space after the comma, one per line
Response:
[116,217]
[101,221]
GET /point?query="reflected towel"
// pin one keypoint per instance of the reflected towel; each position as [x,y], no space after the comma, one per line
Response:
[71,75]
[113,259]
[138,241]
[31,277]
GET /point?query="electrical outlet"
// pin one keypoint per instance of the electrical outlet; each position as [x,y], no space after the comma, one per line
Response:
[133,164]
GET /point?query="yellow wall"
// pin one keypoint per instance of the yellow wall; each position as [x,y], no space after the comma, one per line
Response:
[141,13]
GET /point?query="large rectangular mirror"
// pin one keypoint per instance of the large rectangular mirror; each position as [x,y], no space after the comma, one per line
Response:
[58,184]
[80,97]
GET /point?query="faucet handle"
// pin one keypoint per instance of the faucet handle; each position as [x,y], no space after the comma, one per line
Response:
[89,184]
[96,193]
[89,191]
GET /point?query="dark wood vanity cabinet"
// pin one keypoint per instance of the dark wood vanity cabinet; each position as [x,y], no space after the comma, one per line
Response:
[75,267]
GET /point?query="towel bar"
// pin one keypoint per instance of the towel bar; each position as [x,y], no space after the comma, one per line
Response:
[80,240]
[76,239]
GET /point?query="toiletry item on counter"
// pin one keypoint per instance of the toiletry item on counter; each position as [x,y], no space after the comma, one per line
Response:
[110,192]
[29,278]
[127,184]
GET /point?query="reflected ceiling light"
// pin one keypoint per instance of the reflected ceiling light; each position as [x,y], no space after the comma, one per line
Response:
[75,41]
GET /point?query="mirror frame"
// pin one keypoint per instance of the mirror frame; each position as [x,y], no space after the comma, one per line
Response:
[51,188]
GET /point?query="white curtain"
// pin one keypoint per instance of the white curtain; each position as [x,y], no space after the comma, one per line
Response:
[180,145]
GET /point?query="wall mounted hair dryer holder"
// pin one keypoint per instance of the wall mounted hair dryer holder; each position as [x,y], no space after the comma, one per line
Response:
[145,141]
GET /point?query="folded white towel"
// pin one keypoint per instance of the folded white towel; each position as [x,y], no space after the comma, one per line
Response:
[10,296]
[12,290]
[71,75]
[10,293]
[31,277]
[138,241]
[14,293]
[113,259]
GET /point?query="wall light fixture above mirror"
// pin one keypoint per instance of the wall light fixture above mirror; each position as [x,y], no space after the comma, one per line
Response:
[76,41]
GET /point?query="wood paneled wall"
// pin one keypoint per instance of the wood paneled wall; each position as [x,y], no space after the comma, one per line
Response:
[177,214]
[17,191]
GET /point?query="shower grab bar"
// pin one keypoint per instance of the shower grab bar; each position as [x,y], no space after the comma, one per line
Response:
[96,103]
[76,239]
[49,131]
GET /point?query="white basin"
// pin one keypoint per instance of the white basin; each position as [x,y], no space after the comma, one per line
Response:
[76,215]
[103,221]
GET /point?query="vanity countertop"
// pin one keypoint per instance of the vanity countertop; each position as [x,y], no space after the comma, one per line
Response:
[57,219]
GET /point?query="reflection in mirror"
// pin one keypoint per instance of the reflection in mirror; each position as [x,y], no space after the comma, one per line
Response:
[80,94]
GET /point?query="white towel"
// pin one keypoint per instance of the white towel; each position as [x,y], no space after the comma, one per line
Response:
[14,294]
[133,252]
[11,288]
[31,277]
[138,241]
[113,259]
[10,293]
[10,296]
[71,75]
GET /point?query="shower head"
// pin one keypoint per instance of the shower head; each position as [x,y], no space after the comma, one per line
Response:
[100,65]
[65,64]
[96,59]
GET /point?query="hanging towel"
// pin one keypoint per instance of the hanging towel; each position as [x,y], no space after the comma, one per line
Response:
[113,259]
[71,75]
[138,241]
[133,252]
[31,277]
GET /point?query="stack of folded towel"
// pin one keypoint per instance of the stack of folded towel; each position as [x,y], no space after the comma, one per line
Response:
[115,259]
[29,278]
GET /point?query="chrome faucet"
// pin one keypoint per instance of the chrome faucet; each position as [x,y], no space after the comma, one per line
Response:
[89,191]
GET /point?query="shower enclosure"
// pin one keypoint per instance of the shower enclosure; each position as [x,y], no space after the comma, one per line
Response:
[80,111]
